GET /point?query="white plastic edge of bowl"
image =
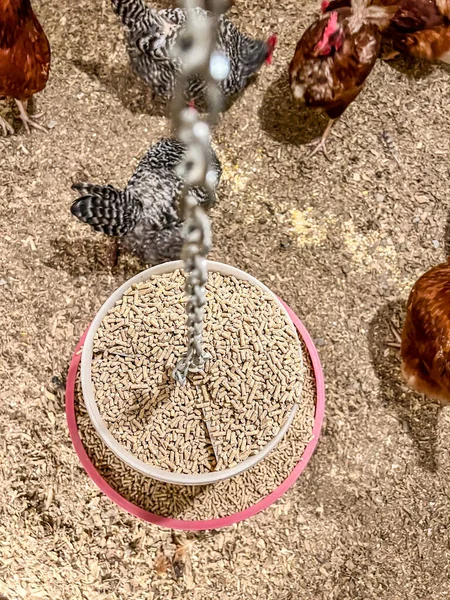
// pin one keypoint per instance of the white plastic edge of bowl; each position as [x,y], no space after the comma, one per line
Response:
[99,424]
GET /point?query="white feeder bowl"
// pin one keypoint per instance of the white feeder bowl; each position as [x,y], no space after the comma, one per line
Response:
[91,404]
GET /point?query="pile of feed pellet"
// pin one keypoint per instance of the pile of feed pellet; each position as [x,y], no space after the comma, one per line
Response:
[222,415]
[211,501]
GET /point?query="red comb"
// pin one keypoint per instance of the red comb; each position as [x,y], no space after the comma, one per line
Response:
[271,42]
[331,25]
[324,6]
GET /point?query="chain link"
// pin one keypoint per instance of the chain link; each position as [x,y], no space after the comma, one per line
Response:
[196,51]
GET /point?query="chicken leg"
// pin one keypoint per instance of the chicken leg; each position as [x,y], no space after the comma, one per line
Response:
[27,120]
[320,144]
[112,254]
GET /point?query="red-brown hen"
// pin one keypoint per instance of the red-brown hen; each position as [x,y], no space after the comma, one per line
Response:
[24,58]
[420,28]
[334,58]
[425,347]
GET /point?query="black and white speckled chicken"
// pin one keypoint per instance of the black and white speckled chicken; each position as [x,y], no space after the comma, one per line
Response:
[144,215]
[152,34]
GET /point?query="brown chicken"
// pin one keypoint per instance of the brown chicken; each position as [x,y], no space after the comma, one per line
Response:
[425,346]
[24,58]
[420,28]
[334,58]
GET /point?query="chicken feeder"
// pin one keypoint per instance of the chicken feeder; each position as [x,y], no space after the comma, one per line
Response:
[185,524]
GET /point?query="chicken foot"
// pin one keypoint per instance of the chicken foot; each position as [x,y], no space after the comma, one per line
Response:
[320,143]
[27,120]
[397,341]
[6,127]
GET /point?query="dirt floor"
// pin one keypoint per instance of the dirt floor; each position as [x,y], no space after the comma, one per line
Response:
[341,242]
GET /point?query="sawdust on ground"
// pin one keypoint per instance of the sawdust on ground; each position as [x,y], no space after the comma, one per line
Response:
[342,243]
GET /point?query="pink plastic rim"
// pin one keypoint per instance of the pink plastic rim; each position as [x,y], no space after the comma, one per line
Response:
[211,523]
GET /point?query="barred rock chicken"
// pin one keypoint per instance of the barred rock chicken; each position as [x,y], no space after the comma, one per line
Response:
[24,58]
[143,215]
[151,35]
[420,28]
[334,58]
[425,346]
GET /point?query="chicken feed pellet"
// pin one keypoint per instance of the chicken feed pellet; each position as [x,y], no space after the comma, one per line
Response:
[238,404]
[211,501]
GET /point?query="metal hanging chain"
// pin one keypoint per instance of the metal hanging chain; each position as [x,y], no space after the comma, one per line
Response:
[196,51]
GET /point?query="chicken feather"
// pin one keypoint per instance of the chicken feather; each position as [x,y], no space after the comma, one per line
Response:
[425,344]
[145,214]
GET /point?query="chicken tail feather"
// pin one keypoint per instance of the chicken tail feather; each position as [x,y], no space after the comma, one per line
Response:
[106,209]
